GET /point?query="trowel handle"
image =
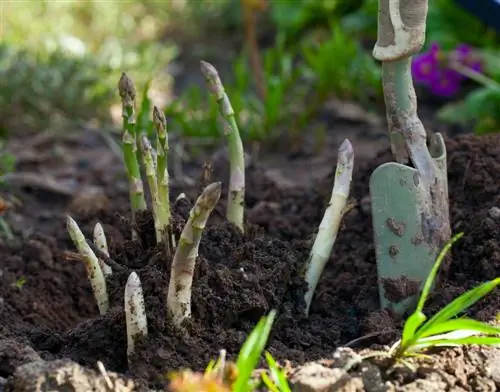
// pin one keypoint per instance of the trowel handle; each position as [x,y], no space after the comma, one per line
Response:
[401,28]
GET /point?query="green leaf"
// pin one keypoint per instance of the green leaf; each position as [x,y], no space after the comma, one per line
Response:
[412,323]
[459,305]
[251,351]
[210,367]
[461,324]
[269,383]
[277,373]
[432,275]
[484,340]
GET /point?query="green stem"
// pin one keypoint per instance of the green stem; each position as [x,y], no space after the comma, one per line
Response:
[127,94]
[236,197]
[160,220]
[160,123]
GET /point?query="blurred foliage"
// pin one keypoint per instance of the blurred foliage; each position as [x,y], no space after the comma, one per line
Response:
[42,88]
[65,63]
[481,106]
[7,161]
[298,80]
[68,68]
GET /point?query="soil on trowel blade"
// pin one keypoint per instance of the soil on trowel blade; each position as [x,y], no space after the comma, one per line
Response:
[47,301]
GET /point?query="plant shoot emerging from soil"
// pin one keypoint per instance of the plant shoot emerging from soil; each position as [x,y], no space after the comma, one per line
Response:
[183,264]
[447,327]
[91,262]
[443,329]
[236,197]
[159,216]
[223,375]
[160,123]
[135,311]
[127,93]
[330,224]
[102,244]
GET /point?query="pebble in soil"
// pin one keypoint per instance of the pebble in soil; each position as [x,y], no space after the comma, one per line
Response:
[240,278]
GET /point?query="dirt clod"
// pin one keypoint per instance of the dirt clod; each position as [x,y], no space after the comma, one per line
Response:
[65,376]
[396,290]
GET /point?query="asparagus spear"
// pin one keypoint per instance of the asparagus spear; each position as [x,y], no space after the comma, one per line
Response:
[160,123]
[329,227]
[160,220]
[236,196]
[94,271]
[127,93]
[102,245]
[183,264]
[135,312]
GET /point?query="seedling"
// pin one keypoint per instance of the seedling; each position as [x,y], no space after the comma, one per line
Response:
[444,328]
[409,205]
[225,376]
[251,351]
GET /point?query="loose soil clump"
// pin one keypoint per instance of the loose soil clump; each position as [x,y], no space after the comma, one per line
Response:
[47,304]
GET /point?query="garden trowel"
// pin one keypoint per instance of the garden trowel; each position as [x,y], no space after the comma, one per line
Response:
[409,203]
[404,226]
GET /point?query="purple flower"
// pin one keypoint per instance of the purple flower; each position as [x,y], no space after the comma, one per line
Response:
[425,67]
[445,82]
[465,55]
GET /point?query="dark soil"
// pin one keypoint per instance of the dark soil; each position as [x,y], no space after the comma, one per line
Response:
[46,301]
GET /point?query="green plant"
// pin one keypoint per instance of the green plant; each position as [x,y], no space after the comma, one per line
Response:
[445,328]
[480,106]
[250,353]
[130,138]
[236,196]
[44,88]
[353,74]
[225,376]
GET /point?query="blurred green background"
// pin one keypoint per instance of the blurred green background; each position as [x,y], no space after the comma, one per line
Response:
[60,61]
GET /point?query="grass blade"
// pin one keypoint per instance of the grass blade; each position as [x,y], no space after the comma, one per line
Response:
[482,340]
[277,374]
[432,275]
[459,304]
[251,351]
[412,323]
[461,324]
[269,383]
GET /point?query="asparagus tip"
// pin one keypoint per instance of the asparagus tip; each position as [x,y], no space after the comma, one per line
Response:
[133,283]
[126,87]
[135,312]
[210,194]
[146,144]
[213,80]
[208,70]
[159,117]
[346,152]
